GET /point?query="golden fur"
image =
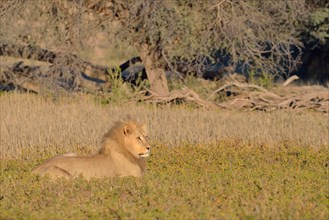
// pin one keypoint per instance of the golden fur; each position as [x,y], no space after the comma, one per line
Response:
[122,153]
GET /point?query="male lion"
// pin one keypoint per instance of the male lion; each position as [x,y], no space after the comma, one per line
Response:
[122,153]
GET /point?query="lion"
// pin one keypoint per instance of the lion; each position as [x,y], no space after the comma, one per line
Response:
[122,153]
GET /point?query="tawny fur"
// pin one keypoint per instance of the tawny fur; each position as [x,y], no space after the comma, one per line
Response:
[121,154]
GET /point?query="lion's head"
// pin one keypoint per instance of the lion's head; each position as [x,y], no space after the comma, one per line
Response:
[122,154]
[129,135]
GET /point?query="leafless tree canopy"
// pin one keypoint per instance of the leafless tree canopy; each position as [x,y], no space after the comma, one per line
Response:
[260,35]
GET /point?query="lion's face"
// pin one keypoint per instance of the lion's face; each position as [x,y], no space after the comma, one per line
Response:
[136,141]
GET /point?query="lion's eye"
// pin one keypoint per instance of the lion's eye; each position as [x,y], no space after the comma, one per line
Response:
[139,138]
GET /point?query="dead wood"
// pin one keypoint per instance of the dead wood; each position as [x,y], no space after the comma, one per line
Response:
[70,72]
[20,76]
[289,80]
[243,86]
[64,70]
[257,98]
[184,94]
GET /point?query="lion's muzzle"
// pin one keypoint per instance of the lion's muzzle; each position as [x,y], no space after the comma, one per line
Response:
[146,154]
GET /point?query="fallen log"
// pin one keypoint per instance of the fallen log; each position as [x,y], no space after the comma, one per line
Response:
[289,80]
[184,94]
[257,98]
[78,72]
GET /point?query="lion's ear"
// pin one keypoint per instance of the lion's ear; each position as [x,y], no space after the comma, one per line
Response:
[127,130]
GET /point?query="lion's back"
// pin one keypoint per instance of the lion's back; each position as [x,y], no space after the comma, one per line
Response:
[69,167]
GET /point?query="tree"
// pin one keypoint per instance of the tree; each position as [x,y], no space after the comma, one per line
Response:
[256,34]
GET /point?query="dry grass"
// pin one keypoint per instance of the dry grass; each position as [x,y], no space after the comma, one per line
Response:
[30,122]
[205,164]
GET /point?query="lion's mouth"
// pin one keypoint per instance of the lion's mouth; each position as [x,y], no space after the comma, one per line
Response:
[145,154]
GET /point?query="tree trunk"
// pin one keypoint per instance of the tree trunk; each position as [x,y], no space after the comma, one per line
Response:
[155,74]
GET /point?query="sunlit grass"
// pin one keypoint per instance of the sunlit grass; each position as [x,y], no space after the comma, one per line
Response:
[204,164]
[191,181]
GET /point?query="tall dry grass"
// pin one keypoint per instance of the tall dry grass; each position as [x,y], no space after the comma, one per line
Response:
[43,125]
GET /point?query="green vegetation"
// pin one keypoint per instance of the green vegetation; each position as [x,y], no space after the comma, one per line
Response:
[318,25]
[262,79]
[122,92]
[204,163]
[189,181]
